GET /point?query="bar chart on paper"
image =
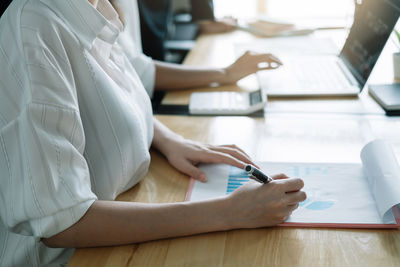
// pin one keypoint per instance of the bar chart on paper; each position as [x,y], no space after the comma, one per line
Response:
[237,177]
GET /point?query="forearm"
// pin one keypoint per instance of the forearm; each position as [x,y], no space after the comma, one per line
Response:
[108,223]
[173,76]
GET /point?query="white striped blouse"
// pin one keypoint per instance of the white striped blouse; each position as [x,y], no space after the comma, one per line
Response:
[75,118]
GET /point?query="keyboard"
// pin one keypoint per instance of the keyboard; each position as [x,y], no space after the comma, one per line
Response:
[310,76]
[226,103]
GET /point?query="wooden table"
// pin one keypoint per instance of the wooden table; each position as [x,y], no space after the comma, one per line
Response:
[318,130]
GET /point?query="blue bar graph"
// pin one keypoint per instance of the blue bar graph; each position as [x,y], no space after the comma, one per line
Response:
[237,177]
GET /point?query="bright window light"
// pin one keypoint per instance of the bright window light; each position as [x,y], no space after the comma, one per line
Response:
[236,8]
[293,10]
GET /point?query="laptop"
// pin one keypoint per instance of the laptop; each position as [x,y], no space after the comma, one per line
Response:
[337,75]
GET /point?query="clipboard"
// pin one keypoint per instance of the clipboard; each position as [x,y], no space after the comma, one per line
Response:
[339,195]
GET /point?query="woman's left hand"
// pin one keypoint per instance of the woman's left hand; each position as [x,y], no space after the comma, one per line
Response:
[186,154]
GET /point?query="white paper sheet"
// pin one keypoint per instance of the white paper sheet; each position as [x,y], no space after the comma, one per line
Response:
[336,192]
[383,175]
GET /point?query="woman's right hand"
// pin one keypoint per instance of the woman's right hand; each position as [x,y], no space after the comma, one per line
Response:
[249,63]
[256,205]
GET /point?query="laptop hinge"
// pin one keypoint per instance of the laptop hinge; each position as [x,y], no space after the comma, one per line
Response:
[347,73]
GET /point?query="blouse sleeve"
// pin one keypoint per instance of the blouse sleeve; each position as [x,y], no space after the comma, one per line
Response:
[44,183]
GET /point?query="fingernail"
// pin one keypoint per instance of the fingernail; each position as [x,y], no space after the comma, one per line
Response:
[203,178]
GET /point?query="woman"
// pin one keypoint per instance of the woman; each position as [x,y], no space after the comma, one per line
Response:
[75,131]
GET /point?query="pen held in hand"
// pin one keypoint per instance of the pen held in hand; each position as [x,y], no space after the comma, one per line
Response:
[257,175]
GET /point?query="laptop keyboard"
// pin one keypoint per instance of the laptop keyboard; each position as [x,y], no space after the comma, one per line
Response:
[306,75]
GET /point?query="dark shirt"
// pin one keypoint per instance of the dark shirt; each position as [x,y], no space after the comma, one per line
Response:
[202,10]
[155,18]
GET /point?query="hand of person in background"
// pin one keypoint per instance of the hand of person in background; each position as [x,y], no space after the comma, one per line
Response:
[172,76]
[249,63]
[225,24]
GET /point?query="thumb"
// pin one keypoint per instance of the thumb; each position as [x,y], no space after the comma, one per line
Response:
[191,170]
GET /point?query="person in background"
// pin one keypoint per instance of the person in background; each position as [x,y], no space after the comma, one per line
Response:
[75,130]
[156,18]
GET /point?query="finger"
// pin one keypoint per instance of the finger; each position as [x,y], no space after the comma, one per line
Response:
[242,151]
[296,197]
[266,58]
[292,184]
[292,207]
[234,153]
[237,148]
[275,59]
[219,157]
[191,170]
[289,211]
[279,176]
[266,66]
[246,158]
[271,58]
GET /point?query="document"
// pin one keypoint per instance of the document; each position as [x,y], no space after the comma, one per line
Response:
[340,195]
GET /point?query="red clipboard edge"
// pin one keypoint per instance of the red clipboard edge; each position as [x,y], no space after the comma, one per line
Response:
[189,190]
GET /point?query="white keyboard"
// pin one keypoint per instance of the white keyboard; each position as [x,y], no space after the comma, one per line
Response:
[310,76]
[317,74]
[226,103]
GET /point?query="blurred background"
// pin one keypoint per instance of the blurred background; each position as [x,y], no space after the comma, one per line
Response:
[326,11]
[294,10]
[302,13]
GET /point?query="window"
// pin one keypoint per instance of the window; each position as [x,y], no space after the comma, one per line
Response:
[330,12]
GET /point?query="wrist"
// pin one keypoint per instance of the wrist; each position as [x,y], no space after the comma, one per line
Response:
[226,214]
[163,137]
[214,214]
[165,142]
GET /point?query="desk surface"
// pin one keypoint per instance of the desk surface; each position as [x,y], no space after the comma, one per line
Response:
[320,130]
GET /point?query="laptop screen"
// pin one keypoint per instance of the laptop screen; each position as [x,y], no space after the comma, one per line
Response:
[374,21]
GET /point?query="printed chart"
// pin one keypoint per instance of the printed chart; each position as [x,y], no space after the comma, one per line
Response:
[237,177]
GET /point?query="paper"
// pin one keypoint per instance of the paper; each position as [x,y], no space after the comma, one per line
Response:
[337,193]
[383,174]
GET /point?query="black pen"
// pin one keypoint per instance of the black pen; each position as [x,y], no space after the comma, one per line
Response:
[257,175]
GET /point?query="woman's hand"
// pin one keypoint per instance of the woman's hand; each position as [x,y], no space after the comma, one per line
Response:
[225,24]
[185,154]
[258,205]
[249,63]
